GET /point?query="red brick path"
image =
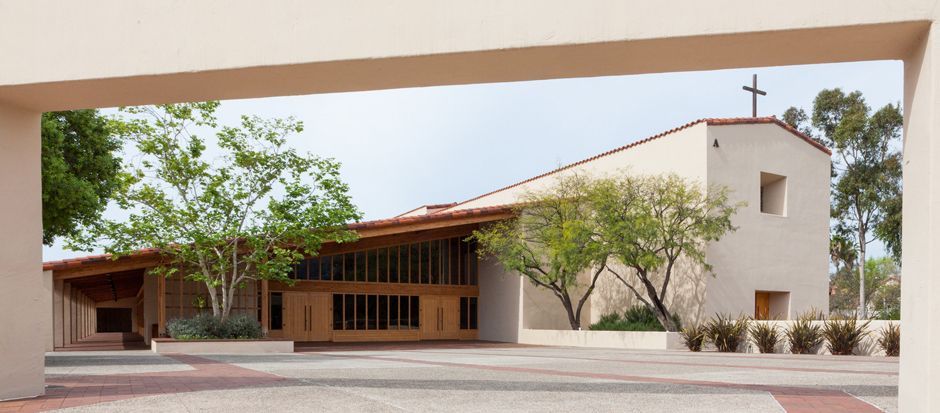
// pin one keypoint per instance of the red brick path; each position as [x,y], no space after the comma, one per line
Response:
[792,399]
[90,389]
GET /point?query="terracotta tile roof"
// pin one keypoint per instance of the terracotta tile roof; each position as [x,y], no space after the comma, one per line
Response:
[495,211]
[429,207]
[707,121]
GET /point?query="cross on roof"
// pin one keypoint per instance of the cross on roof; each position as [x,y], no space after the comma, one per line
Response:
[754,92]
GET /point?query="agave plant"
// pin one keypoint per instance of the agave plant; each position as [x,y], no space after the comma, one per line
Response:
[890,340]
[802,335]
[843,335]
[726,333]
[765,336]
[693,336]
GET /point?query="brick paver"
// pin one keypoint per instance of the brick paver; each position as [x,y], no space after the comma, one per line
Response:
[72,391]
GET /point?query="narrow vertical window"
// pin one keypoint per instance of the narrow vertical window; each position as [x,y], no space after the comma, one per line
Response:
[337,311]
[277,311]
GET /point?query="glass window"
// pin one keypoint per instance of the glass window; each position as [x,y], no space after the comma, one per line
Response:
[454,260]
[326,272]
[414,312]
[445,261]
[472,257]
[372,310]
[300,270]
[360,312]
[337,268]
[473,313]
[313,268]
[349,312]
[393,264]
[337,311]
[382,258]
[405,320]
[435,258]
[360,258]
[349,267]
[277,311]
[464,316]
[393,312]
[383,312]
[414,269]
[425,262]
[371,266]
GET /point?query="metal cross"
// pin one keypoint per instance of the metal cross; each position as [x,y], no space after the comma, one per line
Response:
[754,92]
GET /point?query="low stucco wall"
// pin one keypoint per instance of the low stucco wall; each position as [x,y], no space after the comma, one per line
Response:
[868,347]
[640,340]
[163,345]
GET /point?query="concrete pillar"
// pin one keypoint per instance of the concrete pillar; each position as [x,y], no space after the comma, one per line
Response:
[21,281]
[920,289]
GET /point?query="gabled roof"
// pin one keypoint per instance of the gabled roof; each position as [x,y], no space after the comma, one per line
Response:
[707,121]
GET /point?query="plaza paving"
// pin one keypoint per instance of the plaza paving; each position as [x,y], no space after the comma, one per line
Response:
[454,377]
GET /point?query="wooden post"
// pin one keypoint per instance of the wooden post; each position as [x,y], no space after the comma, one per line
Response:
[265,308]
[161,305]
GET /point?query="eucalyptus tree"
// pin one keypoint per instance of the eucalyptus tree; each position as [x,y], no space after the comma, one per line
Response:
[248,212]
[649,223]
[553,242]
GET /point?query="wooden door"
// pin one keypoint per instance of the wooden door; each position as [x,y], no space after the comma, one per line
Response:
[761,306]
[430,321]
[320,315]
[295,316]
[450,317]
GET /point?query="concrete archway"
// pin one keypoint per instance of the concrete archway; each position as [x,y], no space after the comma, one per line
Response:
[115,52]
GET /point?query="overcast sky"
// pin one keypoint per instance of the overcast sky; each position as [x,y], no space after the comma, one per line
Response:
[407,147]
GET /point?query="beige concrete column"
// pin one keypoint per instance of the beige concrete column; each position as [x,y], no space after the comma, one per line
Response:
[920,290]
[21,278]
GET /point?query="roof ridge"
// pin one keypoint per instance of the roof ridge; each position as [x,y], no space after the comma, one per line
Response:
[707,121]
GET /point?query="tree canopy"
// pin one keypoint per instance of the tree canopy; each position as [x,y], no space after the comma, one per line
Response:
[80,168]
[249,213]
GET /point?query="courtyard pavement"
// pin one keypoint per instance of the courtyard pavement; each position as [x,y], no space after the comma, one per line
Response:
[456,377]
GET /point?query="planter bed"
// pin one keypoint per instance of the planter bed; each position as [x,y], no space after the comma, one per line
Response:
[169,345]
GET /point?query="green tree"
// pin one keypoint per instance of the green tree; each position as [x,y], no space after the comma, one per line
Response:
[866,188]
[79,171]
[649,223]
[882,289]
[247,214]
[552,241]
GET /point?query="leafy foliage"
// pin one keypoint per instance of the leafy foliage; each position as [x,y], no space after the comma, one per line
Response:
[890,340]
[552,241]
[882,289]
[694,336]
[726,333]
[248,214]
[843,335]
[803,336]
[205,326]
[80,169]
[866,182]
[648,223]
[765,336]
[636,318]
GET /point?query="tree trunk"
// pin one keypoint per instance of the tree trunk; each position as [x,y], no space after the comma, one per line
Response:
[862,307]
[572,318]
[213,300]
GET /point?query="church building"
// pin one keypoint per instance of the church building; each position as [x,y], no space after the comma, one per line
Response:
[416,277]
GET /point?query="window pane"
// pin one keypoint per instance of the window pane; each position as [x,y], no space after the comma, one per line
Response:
[360,266]
[349,312]
[373,312]
[349,267]
[393,264]
[383,312]
[403,315]
[337,311]
[415,308]
[415,264]
[425,263]
[326,272]
[382,258]
[445,261]
[473,263]
[371,266]
[435,258]
[393,312]
[461,261]
[473,313]
[338,268]
[464,317]
[360,312]
[277,311]
[313,268]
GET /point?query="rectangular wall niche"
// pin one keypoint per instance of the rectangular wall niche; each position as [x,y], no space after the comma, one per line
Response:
[773,194]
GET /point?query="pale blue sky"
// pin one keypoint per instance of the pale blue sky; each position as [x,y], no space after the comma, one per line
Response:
[407,147]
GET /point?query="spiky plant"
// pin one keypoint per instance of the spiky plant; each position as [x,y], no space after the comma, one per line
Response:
[765,336]
[890,340]
[693,336]
[802,335]
[726,333]
[843,335]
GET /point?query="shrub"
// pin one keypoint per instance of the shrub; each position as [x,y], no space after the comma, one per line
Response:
[726,333]
[843,335]
[765,336]
[205,326]
[802,335]
[890,340]
[636,318]
[693,336]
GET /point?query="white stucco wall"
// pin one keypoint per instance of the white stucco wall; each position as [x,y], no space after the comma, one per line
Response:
[500,305]
[769,252]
